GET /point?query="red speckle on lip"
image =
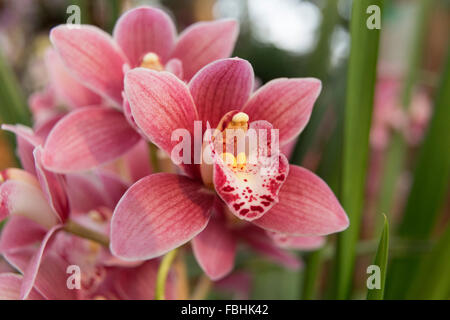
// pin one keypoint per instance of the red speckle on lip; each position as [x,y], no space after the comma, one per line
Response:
[268,198]
[257,208]
[265,203]
[237,206]
[228,188]
[273,187]
[243,212]
[280,177]
[245,180]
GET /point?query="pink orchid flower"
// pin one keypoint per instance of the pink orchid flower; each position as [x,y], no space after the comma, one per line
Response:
[44,272]
[144,36]
[38,208]
[208,206]
[29,203]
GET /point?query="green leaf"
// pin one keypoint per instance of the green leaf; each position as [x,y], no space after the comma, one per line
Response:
[358,112]
[115,9]
[381,260]
[433,278]
[312,274]
[397,150]
[430,185]
[13,106]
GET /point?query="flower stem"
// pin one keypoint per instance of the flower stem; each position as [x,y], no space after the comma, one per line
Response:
[83,232]
[163,271]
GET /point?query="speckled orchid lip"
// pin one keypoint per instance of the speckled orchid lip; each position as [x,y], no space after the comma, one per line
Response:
[247,172]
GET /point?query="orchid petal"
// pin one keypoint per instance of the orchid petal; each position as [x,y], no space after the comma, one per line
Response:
[86,138]
[175,66]
[70,91]
[33,266]
[93,57]
[10,284]
[260,242]
[53,187]
[157,214]
[160,104]
[205,42]
[307,207]
[27,140]
[90,191]
[20,232]
[143,30]
[215,249]
[139,283]
[19,197]
[285,103]
[299,243]
[220,87]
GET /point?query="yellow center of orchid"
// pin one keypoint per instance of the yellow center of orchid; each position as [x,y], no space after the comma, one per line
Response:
[233,162]
[151,61]
[239,121]
[238,160]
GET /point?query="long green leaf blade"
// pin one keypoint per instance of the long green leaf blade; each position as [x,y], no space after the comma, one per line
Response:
[13,107]
[381,260]
[433,279]
[358,112]
[430,184]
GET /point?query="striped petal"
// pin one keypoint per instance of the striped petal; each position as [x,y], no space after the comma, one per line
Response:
[157,214]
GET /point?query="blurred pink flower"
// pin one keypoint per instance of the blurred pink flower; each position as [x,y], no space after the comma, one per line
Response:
[37,211]
[389,115]
[209,205]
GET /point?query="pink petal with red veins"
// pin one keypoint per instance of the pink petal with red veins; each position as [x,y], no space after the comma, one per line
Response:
[285,103]
[53,186]
[215,249]
[69,90]
[205,42]
[160,103]
[51,278]
[10,284]
[307,207]
[22,198]
[20,232]
[143,30]
[260,242]
[43,105]
[90,191]
[288,148]
[300,243]
[32,269]
[42,129]
[92,57]
[175,66]
[139,283]
[157,214]
[138,161]
[87,138]
[220,87]
[26,142]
